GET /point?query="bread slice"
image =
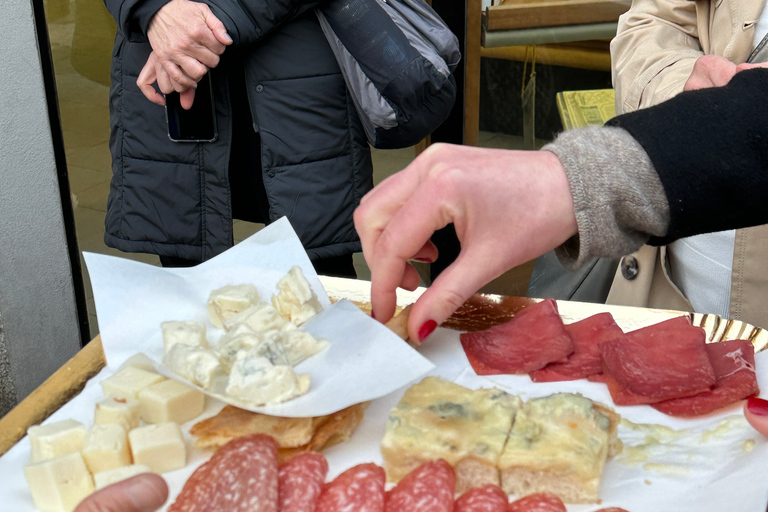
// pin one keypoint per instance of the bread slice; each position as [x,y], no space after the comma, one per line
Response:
[559,444]
[439,419]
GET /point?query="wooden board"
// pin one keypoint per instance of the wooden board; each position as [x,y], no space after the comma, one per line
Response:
[521,14]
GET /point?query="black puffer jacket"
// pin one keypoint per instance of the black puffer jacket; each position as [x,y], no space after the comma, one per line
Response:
[173,199]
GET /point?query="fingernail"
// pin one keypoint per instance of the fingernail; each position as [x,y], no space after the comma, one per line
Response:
[373,315]
[422,260]
[426,329]
[757,406]
[145,495]
[228,38]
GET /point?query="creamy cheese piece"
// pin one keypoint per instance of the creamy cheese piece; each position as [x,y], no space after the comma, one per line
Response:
[55,439]
[186,333]
[231,345]
[295,300]
[58,485]
[230,300]
[111,476]
[160,447]
[170,401]
[106,447]
[257,381]
[128,382]
[199,366]
[114,409]
[300,345]
[260,317]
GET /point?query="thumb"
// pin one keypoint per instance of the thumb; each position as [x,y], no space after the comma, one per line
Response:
[142,493]
[756,412]
[217,27]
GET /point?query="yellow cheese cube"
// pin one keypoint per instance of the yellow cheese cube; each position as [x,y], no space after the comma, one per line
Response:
[170,401]
[111,476]
[160,446]
[128,382]
[106,447]
[124,411]
[56,439]
[58,485]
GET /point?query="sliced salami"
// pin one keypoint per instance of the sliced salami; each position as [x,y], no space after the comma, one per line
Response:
[586,360]
[486,498]
[241,476]
[734,365]
[533,338]
[358,489]
[538,502]
[611,509]
[428,488]
[300,482]
[660,364]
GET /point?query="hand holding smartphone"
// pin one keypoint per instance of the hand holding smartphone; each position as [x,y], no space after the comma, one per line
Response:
[198,124]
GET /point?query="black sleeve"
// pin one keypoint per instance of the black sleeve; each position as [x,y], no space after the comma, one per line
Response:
[710,149]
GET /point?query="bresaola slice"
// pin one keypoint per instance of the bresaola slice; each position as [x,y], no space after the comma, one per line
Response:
[586,335]
[734,365]
[533,338]
[659,363]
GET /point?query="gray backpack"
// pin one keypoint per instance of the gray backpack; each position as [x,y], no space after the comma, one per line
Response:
[397,57]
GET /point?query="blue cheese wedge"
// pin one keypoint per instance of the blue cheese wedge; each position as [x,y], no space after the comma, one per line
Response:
[199,366]
[256,381]
[439,419]
[260,317]
[558,444]
[295,300]
[230,300]
[186,333]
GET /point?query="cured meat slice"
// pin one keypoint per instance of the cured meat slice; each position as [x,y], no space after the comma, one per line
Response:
[586,360]
[300,482]
[660,363]
[486,498]
[621,395]
[241,476]
[358,489]
[538,502]
[611,509]
[734,365]
[428,488]
[533,338]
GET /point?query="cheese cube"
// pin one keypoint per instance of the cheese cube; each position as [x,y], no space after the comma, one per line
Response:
[257,381]
[111,476]
[199,366]
[106,447]
[55,439]
[295,300]
[170,401]
[58,485]
[160,446]
[128,382]
[186,333]
[259,317]
[230,300]
[124,411]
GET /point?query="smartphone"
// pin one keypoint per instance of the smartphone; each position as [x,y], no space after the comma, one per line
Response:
[198,124]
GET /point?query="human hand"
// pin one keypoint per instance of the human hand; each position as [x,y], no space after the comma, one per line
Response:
[756,412]
[142,493]
[508,207]
[710,71]
[187,40]
[153,72]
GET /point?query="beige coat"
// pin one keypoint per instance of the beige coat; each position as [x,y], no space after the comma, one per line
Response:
[651,60]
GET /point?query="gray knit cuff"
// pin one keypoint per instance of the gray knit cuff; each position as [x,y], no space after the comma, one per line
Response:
[618,198]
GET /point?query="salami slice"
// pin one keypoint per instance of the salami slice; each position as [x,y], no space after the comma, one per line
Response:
[358,489]
[533,338]
[300,482]
[586,360]
[428,488]
[538,502]
[241,476]
[611,509]
[660,364]
[486,498]
[734,365]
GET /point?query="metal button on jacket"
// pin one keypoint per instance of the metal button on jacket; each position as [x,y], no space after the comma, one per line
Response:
[629,267]
[259,88]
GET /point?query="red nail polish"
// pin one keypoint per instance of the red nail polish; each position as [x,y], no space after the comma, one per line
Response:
[757,406]
[426,329]
[373,315]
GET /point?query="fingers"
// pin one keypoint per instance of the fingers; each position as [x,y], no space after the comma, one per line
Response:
[142,493]
[217,28]
[186,98]
[756,412]
[146,78]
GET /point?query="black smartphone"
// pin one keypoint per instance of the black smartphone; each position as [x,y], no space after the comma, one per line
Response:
[198,124]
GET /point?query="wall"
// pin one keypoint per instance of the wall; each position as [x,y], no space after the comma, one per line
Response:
[39,328]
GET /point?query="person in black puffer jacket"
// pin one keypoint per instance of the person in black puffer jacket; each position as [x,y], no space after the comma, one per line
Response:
[289,143]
